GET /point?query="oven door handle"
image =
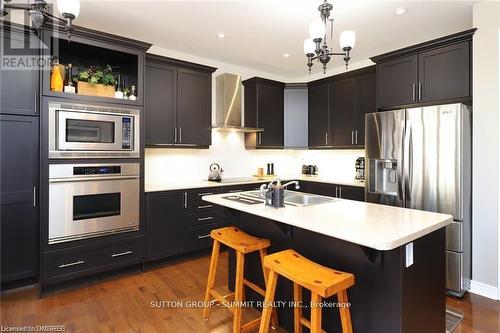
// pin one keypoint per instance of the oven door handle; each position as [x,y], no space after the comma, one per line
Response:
[90,178]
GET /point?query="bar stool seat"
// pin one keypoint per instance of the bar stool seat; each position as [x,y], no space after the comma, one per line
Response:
[243,244]
[322,281]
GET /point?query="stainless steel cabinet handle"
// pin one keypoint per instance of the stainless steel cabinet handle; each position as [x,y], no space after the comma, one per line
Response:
[352,137]
[420,91]
[340,191]
[356,136]
[260,138]
[180,134]
[206,206]
[336,192]
[36,103]
[205,218]
[34,196]
[175,134]
[79,262]
[326,138]
[413,89]
[204,236]
[236,191]
[185,200]
[206,193]
[121,254]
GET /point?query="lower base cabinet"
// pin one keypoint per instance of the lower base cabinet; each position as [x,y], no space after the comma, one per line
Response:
[338,191]
[165,224]
[76,262]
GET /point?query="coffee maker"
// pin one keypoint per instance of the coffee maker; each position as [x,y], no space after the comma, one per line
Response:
[360,169]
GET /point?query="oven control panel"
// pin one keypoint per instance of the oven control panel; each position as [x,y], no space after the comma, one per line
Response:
[126,132]
[97,170]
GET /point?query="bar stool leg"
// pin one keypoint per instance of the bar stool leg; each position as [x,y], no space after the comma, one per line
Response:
[268,310]
[211,278]
[238,291]
[345,314]
[316,313]
[265,271]
[297,310]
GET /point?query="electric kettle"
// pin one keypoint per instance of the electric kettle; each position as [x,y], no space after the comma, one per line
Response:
[215,174]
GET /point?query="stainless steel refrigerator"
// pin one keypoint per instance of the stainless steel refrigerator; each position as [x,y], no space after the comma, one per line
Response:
[421,158]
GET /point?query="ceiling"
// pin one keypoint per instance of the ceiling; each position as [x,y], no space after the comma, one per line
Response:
[259,32]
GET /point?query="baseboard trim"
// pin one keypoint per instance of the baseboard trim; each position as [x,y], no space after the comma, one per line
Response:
[484,289]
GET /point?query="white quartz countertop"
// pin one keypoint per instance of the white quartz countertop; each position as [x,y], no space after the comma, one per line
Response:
[179,184]
[372,225]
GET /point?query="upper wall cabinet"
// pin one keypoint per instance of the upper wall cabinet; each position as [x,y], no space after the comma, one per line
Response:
[435,71]
[20,84]
[93,49]
[337,108]
[178,103]
[264,108]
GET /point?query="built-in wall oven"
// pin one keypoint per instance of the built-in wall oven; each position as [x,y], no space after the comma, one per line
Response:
[89,200]
[84,131]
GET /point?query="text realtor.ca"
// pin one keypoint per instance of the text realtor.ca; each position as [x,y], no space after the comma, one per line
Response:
[247,304]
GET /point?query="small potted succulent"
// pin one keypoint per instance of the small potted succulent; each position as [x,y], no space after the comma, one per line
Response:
[96,81]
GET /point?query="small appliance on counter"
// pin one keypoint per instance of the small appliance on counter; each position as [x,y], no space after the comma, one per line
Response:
[360,169]
[215,174]
[309,170]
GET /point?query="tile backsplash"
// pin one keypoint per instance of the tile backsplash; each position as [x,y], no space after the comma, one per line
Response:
[228,150]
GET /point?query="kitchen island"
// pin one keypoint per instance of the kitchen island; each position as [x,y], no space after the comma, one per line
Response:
[397,256]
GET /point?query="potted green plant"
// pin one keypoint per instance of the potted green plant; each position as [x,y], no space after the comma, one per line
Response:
[96,81]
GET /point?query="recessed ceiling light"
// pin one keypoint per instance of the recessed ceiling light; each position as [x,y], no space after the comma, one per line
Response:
[286,55]
[400,11]
[221,35]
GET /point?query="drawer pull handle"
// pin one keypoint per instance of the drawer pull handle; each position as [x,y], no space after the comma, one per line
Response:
[202,194]
[79,262]
[235,191]
[205,218]
[204,236]
[121,254]
[206,206]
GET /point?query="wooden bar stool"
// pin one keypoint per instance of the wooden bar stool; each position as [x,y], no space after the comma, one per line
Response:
[321,281]
[243,244]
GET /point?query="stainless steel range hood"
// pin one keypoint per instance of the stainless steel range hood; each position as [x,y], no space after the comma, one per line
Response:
[228,105]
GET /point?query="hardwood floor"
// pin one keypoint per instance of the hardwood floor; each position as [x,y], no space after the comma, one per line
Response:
[132,303]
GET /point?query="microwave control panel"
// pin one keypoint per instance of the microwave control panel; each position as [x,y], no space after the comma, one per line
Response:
[126,133]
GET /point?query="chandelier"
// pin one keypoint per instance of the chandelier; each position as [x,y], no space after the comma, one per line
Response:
[316,48]
[38,11]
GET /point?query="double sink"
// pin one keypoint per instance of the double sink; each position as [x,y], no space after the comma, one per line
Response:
[294,198]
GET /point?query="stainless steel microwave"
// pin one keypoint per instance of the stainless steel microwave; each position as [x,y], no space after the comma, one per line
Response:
[84,131]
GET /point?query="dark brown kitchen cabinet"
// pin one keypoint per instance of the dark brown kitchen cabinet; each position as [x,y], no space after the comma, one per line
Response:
[319,113]
[444,73]
[396,82]
[178,103]
[166,225]
[366,102]
[343,112]
[430,72]
[20,83]
[264,108]
[338,191]
[194,108]
[337,106]
[160,94]
[19,197]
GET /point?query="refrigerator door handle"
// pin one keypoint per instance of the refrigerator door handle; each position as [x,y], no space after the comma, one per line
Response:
[401,193]
[408,160]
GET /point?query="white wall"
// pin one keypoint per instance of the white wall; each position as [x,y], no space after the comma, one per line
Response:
[485,145]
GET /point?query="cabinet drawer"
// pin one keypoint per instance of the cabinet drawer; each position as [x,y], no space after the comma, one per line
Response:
[195,195]
[202,207]
[202,219]
[72,263]
[240,188]
[130,251]
[199,237]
